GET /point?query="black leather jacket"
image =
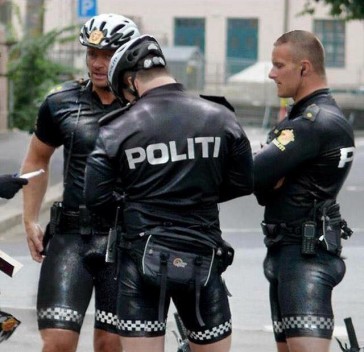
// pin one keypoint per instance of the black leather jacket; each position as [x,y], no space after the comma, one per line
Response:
[313,149]
[173,153]
[69,116]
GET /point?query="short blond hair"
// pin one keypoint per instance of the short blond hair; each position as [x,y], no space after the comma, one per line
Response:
[305,46]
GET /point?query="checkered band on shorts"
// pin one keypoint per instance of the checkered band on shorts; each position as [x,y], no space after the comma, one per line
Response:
[303,322]
[60,314]
[211,334]
[106,317]
[138,325]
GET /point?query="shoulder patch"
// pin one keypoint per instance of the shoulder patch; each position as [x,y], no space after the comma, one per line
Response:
[285,137]
[311,112]
[66,86]
[113,115]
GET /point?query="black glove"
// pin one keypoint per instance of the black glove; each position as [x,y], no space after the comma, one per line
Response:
[10,184]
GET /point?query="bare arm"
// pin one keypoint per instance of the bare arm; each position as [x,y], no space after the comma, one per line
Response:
[38,157]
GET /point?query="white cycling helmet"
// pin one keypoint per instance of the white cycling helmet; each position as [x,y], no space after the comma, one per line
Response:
[108,31]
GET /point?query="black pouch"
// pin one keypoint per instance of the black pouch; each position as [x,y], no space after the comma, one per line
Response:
[330,238]
[225,253]
[167,264]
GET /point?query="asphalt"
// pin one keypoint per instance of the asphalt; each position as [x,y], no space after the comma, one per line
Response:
[13,146]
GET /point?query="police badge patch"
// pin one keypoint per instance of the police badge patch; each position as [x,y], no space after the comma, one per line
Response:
[96,36]
[285,137]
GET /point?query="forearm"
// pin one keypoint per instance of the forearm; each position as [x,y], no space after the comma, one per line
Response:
[38,157]
[34,193]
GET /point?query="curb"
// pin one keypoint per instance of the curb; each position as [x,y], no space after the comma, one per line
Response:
[11,213]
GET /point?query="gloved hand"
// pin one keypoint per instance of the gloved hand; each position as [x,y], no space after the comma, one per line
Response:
[10,185]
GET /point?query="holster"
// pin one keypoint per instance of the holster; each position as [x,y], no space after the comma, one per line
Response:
[51,228]
[55,217]
[272,234]
[225,253]
[330,232]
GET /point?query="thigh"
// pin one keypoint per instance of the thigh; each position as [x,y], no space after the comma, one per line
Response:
[105,283]
[214,308]
[305,287]
[138,302]
[65,285]
[271,269]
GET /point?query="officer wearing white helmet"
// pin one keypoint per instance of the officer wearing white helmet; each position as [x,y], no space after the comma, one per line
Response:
[73,246]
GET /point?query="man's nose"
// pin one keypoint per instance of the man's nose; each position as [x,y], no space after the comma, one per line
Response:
[272,74]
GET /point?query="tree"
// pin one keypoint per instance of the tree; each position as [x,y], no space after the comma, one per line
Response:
[347,9]
[32,73]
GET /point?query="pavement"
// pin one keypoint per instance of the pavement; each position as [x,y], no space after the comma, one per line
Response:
[252,330]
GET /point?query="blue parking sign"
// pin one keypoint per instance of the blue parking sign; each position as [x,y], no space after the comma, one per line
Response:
[86,8]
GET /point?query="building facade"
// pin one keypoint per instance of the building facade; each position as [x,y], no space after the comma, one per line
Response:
[231,34]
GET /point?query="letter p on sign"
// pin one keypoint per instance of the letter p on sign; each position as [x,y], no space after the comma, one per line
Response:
[86,8]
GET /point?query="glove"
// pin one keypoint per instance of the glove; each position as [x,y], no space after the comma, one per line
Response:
[10,185]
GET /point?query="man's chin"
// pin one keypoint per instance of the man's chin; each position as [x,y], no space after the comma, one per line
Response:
[101,85]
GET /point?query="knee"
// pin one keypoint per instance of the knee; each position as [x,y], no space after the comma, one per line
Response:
[54,343]
[107,342]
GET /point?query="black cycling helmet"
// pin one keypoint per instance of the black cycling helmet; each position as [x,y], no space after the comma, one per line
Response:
[141,53]
[108,31]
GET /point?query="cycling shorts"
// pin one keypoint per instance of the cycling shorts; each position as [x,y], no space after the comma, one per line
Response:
[138,306]
[73,267]
[300,291]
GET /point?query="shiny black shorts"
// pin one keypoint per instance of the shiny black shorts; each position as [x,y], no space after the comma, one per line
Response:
[300,291]
[73,267]
[138,306]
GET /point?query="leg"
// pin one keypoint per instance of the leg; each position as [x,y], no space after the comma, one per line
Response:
[305,286]
[271,264]
[64,292]
[308,344]
[143,344]
[105,341]
[106,338]
[59,340]
[137,310]
[282,347]
[215,335]
[220,346]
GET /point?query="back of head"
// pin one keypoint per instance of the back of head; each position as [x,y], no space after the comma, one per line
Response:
[108,31]
[143,53]
[305,45]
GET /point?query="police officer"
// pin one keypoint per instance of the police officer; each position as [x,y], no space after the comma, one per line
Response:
[176,157]
[298,176]
[75,260]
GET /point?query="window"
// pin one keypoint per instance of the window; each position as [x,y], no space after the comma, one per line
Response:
[242,44]
[190,31]
[332,36]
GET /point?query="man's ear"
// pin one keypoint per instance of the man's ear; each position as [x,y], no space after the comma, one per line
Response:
[128,83]
[305,67]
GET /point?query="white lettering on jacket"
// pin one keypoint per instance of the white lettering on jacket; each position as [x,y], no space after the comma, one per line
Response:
[346,155]
[161,153]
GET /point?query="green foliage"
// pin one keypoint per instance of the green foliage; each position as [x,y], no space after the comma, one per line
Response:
[32,73]
[347,9]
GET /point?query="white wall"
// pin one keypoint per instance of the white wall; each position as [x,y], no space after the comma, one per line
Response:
[156,17]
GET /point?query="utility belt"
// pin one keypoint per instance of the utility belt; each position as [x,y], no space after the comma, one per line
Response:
[81,222]
[310,234]
[325,230]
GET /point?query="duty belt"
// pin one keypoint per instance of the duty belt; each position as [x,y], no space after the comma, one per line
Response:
[79,222]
